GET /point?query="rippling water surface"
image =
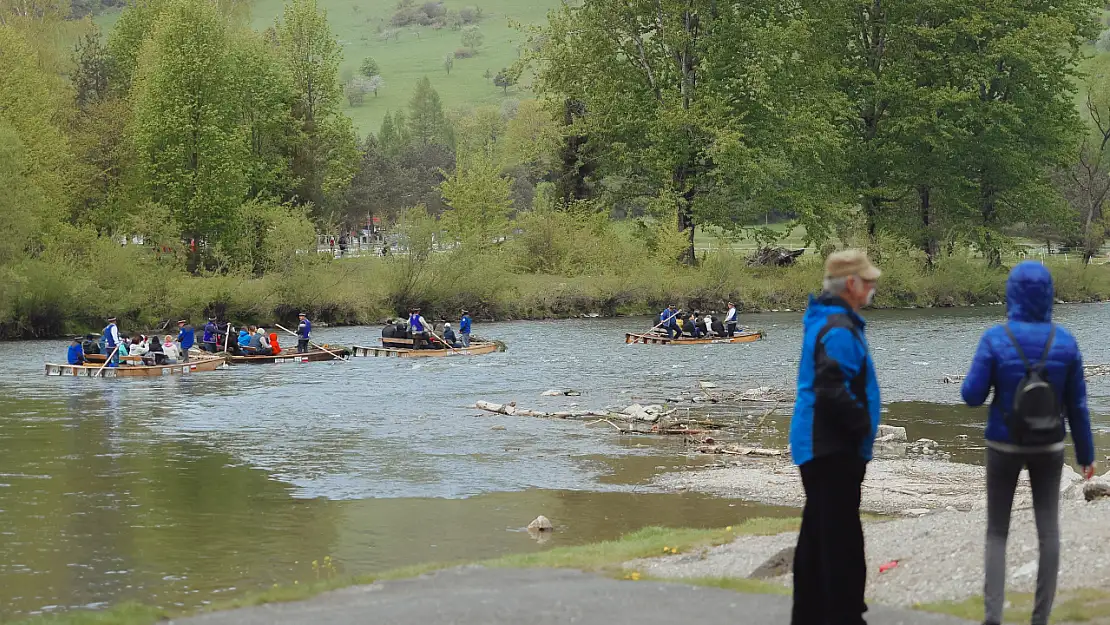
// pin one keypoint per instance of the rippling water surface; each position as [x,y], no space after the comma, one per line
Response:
[178,491]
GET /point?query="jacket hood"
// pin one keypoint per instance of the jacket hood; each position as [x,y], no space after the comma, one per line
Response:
[1029,293]
[825,304]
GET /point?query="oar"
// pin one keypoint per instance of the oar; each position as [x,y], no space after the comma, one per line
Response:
[432,332]
[660,324]
[317,346]
[100,371]
[227,338]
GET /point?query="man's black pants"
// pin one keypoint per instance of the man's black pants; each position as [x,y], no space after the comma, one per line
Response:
[829,567]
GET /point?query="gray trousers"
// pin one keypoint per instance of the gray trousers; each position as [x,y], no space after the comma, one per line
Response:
[1003,469]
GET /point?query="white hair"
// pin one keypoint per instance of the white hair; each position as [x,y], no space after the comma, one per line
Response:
[835,286]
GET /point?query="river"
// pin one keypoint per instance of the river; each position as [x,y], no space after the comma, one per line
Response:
[182,491]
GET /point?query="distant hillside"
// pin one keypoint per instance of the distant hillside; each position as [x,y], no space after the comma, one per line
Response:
[366,28]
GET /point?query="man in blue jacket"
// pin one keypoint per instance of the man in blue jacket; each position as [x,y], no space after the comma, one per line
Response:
[464,329]
[1028,340]
[186,337]
[76,355]
[304,331]
[832,432]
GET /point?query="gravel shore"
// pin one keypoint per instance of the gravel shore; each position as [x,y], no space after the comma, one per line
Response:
[896,487]
[938,542]
[940,555]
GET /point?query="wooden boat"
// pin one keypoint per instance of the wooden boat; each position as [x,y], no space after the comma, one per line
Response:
[402,348]
[291,356]
[746,336]
[135,371]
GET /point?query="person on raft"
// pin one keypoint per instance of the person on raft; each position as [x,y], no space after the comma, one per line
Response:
[730,319]
[186,337]
[211,336]
[75,355]
[111,342]
[668,319]
[464,329]
[171,350]
[90,345]
[418,327]
[259,344]
[304,330]
[449,336]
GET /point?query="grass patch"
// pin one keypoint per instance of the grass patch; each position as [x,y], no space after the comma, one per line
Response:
[1085,605]
[605,556]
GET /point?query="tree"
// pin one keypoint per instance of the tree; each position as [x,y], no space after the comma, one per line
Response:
[427,124]
[356,89]
[327,154]
[449,62]
[472,38]
[369,67]
[504,79]
[1086,183]
[702,112]
[479,202]
[487,75]
[186,124]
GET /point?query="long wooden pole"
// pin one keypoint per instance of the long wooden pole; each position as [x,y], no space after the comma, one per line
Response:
[658,325]
[451,347]
[100,371]
[227,338]
[317,346]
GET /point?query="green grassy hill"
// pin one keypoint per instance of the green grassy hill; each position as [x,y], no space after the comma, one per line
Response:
[418,51]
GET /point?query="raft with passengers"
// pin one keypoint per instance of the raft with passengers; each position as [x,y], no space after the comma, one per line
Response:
[416,338]
[119,355]
[677,327]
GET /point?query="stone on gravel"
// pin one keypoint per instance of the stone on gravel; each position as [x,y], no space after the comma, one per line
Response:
[916,512]
[1069,478]
[633,409]
[891,434]
[542,524]
[777,565]
[1096,489]
[707,385]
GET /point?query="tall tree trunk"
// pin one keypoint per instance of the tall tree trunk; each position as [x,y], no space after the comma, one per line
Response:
[987,204]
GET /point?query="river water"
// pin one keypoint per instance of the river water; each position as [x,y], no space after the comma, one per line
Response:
[181,491]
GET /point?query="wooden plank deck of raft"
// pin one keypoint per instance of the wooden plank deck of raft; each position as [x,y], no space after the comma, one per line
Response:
[660,339]
[126,371]
[475,349]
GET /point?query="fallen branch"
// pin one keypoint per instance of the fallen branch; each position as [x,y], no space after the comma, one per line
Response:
[734,450]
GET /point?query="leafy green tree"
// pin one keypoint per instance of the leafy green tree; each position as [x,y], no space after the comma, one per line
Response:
[327,153]
[426,122]
[33,111]
[369,67]
[1085,184]
[504,79]
[479,201]
[187,129]
[449,62]
[472,38]
[703,112]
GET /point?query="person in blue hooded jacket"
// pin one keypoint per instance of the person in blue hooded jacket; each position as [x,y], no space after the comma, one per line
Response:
[186,338]
[76,355]
[832,432]
[999,365]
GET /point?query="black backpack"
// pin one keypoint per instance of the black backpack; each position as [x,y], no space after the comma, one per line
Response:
[1035,418]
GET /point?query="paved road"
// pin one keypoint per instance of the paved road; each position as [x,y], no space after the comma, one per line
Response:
[477,596]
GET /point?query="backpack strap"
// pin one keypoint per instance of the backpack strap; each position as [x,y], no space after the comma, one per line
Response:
[1048,345]
[1021,352]
[1017,346]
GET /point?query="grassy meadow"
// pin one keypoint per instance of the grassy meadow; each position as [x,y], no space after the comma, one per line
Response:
[417,51]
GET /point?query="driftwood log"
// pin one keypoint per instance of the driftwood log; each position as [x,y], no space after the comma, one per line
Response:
[735,450]
[635,419]
[774,257]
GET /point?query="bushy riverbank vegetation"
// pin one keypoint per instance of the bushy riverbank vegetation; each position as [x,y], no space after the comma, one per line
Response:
[164,169]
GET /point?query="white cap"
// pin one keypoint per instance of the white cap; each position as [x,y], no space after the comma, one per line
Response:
[447,325]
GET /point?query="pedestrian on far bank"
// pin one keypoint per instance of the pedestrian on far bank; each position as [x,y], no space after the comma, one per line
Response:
[1036,371]
[304,330]
[464,329]
[832,432]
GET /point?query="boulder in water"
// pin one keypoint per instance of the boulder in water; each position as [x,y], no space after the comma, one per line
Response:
[541,524]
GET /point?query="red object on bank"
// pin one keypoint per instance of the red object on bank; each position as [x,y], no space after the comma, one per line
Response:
[889,565]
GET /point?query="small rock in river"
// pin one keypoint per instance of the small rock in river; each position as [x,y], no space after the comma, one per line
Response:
[551,393]
[498,428]
[707,385]
[541,524]
[916,512]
